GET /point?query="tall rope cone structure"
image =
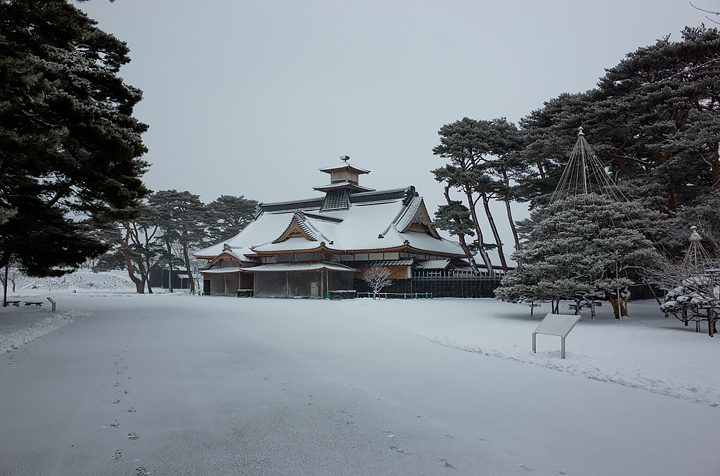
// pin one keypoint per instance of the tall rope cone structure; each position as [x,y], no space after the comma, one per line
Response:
[696,295]
[585,176]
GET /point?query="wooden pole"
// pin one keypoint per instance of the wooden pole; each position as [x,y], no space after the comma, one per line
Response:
[5,288]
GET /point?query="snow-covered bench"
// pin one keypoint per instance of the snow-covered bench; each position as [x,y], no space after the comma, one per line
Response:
[33,303]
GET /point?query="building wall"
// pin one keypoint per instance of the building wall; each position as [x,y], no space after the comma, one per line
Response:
[224,284]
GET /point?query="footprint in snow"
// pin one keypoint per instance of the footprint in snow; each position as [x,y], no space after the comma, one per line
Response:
[447,464]
[133,436]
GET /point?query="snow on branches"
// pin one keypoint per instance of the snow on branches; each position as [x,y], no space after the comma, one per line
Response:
[377,278]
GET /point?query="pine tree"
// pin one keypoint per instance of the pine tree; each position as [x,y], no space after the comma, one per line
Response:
[654,120]
[228,215]
[182,218]
[483,167]
[69,147]
[580,247]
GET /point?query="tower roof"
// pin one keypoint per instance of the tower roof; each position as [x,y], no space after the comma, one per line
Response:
[344,165]
[344,176]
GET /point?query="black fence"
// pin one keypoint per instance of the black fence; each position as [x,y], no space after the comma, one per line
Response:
[439,286]
[457,286]
[467,287]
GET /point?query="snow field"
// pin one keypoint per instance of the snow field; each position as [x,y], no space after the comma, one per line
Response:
[645,351]
[178,384]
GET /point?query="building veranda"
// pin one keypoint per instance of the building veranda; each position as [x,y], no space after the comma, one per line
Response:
[317,246]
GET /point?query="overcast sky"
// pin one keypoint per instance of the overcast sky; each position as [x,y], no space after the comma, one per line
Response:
[253,97]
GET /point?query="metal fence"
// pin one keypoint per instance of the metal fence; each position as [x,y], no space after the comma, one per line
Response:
[457,286]
[446,285]
[438,285]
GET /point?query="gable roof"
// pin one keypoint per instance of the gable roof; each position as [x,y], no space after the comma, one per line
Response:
[381,220]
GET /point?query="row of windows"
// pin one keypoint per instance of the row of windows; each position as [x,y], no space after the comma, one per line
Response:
[304,257]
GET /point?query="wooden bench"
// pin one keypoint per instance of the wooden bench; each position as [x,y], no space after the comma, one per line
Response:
[14,303]
[33,303]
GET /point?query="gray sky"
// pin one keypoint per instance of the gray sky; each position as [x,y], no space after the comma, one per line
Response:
[252,97]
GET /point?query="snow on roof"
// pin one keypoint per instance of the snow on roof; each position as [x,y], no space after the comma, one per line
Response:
[434,264]
[277,267]
[374,221]
[344,165]
[344,183]
[385,262]
[222,270]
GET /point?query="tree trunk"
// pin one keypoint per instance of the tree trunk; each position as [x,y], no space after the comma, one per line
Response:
[186,258]
[493,227]
[147,279]
[139,285]
[715,167]
[461,238]
[516,237]
[478,232]
[170,265]
[5,282]
[506,180]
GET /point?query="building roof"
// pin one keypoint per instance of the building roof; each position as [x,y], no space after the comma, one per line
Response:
[282,267]
[344,165]
[380,220]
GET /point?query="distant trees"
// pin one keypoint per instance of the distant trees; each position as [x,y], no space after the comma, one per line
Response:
[69,146]
[182,218]
[228,216]
[167,227]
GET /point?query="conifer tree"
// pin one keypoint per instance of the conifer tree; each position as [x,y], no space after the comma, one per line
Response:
[228,215]
[581,246]
[69,147]
[182,218]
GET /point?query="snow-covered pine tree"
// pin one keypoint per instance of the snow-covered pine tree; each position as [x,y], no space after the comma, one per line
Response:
[581,246]
[69,146]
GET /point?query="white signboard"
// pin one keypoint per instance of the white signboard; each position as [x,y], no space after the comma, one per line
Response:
[555,325]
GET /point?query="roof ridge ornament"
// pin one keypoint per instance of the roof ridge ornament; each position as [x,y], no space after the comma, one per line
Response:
[345,158]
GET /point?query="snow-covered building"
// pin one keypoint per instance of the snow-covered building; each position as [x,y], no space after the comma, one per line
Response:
[312,247]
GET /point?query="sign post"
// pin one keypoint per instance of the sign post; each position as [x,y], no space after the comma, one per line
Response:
[555,325]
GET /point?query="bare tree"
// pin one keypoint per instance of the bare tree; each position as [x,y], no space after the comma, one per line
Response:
[377,278]
[707,11]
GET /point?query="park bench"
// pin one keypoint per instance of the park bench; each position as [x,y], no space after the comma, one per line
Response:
[33,303]
[14,303]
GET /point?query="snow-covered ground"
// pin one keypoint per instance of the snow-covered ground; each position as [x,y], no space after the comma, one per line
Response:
[386,349]
[644,351]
